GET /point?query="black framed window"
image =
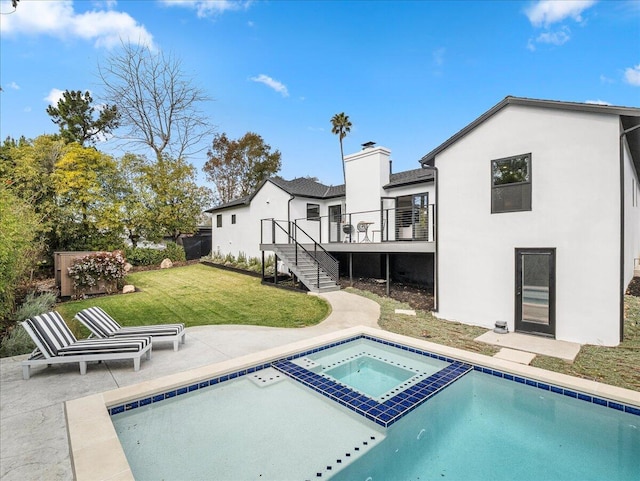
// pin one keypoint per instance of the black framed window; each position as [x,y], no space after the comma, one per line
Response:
[313,211]
[511,184]
[219,220]
[233,218]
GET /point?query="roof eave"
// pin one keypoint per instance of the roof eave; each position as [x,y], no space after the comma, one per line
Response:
[429,158]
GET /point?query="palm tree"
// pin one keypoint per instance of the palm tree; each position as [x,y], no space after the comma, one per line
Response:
[341,127]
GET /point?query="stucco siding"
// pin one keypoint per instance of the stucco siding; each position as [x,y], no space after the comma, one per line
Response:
[575,185]
[631,216]
[244,236]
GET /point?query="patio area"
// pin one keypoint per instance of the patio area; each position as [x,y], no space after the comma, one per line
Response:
[33,435]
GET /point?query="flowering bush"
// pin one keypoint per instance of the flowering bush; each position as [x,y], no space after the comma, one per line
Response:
[96,269]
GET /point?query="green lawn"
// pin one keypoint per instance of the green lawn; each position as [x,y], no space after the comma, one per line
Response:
[200,295]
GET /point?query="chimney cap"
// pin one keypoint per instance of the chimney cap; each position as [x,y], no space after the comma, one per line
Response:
[368,145]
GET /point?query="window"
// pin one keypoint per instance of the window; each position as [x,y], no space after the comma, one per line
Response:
[313,211]
[233,218]
[412,217]
[219,220]
[511,184]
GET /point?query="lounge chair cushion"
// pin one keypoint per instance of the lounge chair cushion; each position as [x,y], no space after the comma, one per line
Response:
[56,339]
[103,325]
[105,346]
[52,332]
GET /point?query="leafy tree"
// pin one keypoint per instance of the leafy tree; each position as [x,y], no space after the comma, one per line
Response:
[159,104]
[18,246]
[26,168]
[178,201]
[74,115]
[341,126]
[237,167]
[136,199]
[87,214]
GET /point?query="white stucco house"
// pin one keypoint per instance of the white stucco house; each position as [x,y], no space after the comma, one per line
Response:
[529,215]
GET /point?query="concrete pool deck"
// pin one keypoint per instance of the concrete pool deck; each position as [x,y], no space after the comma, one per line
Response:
[34,442]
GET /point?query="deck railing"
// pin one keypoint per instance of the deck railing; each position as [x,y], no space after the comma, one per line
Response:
[398,224]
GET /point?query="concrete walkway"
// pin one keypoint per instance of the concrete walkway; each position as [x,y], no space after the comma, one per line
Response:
[33,436]
[531,344]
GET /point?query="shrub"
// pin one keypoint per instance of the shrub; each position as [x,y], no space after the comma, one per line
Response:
[17,340]
[146,256]
[34,305]
[19,227]
[102,267]
[143,256]
[174,252]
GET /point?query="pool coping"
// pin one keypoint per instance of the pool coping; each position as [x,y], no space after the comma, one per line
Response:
[96,452]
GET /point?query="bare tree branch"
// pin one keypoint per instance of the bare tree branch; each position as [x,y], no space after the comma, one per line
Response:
[159,104]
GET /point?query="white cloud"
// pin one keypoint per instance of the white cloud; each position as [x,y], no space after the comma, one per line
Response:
[14,86]
[547,12]
[54,96]
[632,75]
[555,38]
[606,80]
[58,18]
[209,8]
[597,102]
[438,56]
[27,109]
[271,83]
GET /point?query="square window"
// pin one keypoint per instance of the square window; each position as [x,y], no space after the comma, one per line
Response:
[313,212]
[219,220]
[511,184]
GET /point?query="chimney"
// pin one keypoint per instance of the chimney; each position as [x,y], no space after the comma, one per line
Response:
[368,145]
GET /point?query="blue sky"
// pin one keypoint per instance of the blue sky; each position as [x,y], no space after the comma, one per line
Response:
[408,74]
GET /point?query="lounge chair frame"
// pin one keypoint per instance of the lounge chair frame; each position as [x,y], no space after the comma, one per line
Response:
[41,354]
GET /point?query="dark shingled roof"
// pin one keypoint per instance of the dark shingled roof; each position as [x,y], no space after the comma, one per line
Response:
[302,187]
[305,187]
[233,203]
[409,177]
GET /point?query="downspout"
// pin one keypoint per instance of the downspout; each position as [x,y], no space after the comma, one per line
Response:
[289,215]
[436,287]
[622,231]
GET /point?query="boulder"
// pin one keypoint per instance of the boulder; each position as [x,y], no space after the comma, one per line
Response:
[127,267]
[166,264]
[129,288]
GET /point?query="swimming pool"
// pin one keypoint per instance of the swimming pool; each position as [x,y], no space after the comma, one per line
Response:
[440,390]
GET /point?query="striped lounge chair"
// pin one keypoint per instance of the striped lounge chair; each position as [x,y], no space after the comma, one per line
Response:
[55,344]
[102,325]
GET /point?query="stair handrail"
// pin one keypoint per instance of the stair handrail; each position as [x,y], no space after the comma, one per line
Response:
[322,259]
[329,264]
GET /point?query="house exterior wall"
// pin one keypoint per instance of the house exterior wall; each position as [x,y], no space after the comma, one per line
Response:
[244,236]
[575,209]
[631,216]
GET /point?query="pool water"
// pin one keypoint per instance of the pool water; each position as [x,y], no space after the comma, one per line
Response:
[374,369]
[239,430]
[366,410]
[370,376]
[484,428]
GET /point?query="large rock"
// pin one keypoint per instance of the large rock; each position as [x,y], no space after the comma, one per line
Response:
[166,264]
[129,288]
[127,267]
